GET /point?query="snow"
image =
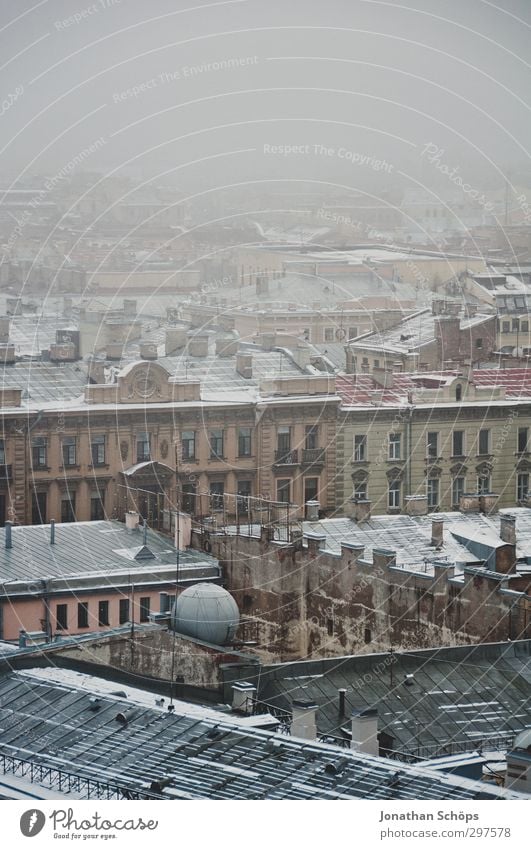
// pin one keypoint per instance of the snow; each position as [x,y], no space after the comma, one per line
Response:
[102,687]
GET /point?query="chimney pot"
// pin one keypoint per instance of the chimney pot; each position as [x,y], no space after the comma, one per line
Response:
[52,531]
[342,694]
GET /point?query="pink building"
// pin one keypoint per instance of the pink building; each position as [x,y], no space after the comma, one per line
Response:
[75,578]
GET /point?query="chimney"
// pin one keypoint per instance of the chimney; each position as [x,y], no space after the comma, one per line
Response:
[268,341]
[9,539]
[416,505]
[243,696]
[383,377]
[175,340]
[244,364]
[342,696]
[226,346]
[52,531]
[315,541]
[132,520]
[488,502]
[198,345]
[365,731]
[358,509]
[130,307]
[437,530]
[303,723]
[312,511]
[114,350]
[469,502]
[383,558]
[96,370]
[148,351]
[508,528]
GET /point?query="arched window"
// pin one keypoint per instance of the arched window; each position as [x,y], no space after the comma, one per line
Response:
[458,392]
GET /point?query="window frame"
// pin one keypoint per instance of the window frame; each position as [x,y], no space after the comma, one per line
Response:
[82,614]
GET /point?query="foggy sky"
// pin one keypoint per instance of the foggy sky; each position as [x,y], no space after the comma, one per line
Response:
[377,79]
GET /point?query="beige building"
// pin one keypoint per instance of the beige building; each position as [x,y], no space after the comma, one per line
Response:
[434,438]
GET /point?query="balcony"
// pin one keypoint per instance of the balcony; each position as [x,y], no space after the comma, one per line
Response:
[313,456]
[6,473]
[286,458]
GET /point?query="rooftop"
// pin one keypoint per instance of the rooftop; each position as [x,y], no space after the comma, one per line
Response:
[59,725]
[91,549]
[430,702]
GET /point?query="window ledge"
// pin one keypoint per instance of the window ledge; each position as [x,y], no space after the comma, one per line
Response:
[99,466]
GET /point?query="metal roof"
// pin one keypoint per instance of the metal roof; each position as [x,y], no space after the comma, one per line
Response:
[456,699]
[88,548]
[59,726]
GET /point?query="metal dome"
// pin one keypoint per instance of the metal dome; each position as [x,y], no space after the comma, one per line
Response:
[206,612]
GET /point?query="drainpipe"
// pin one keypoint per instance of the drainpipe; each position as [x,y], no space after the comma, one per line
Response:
[409,425]
[46,598]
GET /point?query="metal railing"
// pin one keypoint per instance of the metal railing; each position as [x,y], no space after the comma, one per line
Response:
[287,458]
[68,782]
[313,455]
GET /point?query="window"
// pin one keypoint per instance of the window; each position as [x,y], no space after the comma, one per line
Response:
[216,444]
[329,334]
[433,493]
[284,491]
[352,332]
[61,617]
[38,508]
[360,448]
[458,444]
[245,489]
[38,452]
[524,327]
[69,450]
[143,447]
[479,342]
[311,437]
[393,495]
[97,510]
[522,487]
[515,325]
[188,444]
[376,364]
[145,604]
[523,436]
[458,392]
[2,452]
[123,615]
[216,495]
[483,441]
[506,327]
[432,445]
[244,442]
[188,498]
[82,614]
[367,638]
[394,446]
[311,489]
[360,491]
[458,488]
[97,448]
[103,613]
[330,627]
[483,483]
[68,508]
[283,440]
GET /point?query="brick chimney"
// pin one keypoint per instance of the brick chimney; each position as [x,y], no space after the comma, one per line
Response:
[416,505]
[358,509]
[437,531]
[244,364]
[508,528]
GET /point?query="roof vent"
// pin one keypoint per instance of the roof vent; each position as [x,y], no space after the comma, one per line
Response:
[144,553]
